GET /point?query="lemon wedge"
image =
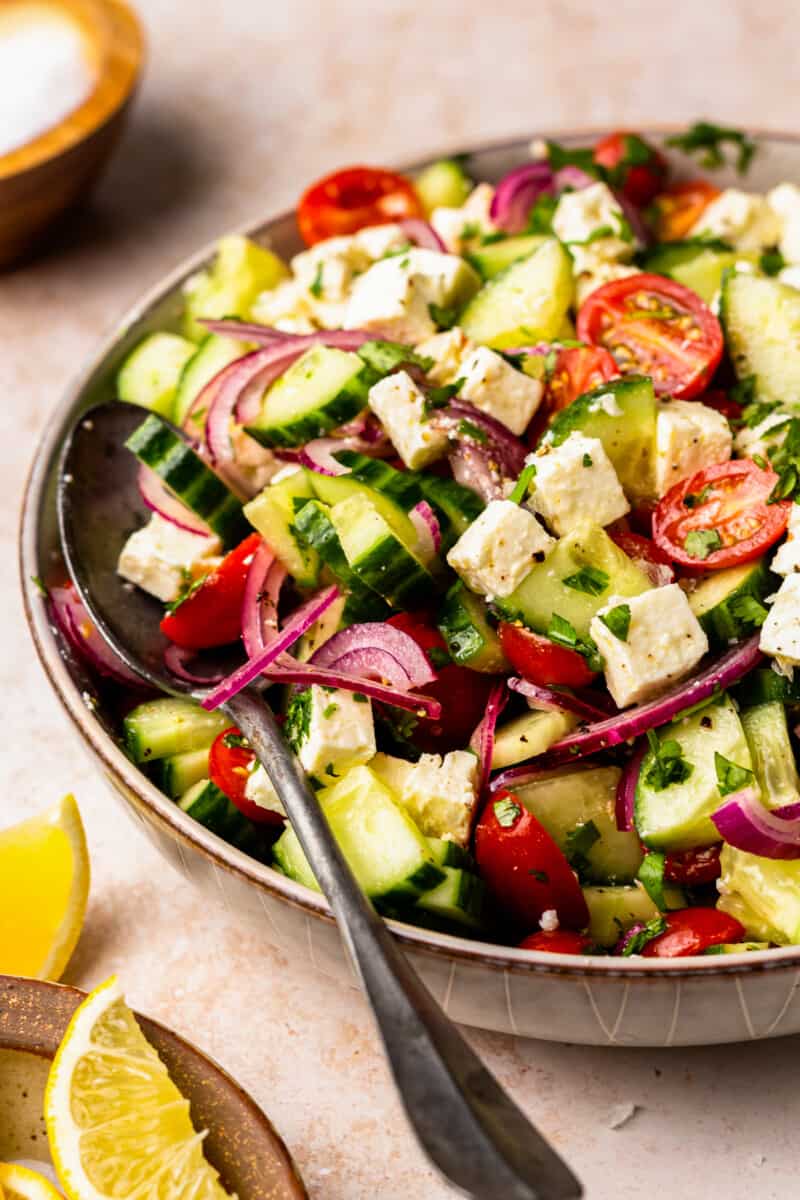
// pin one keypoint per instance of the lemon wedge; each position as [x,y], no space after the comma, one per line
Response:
[44,883]
[20,1183]
[117,1124]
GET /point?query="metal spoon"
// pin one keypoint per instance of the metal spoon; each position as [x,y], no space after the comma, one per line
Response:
[470,1129]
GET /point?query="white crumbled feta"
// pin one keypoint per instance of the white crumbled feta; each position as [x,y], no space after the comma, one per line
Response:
[393,298]
[439,792]
[766,437]
[790,276]
[288,307]
[591,222]
[340,733]
[458,226]
[663,643]
[784,200]
[549,920]
[576,482]
[327,269]
[499,549]
[595,274]
[400,405]
[497,388]
[743,219]
[376,241]
[448,350]
[259,790]
[161,559]
[689,436]
[606,403]
[780,633]
[787,559]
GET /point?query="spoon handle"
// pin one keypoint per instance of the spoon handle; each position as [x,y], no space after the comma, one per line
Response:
[471,1130]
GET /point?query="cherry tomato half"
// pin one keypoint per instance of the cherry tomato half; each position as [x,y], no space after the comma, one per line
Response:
[693,867]
[558,941]
[693,930]
[541,661]
[577,369]
[655,326]
[720,517]
[643,169]
[678,208]
[348,200]
[230,762]
[212,615]
[647,556]
[523,867]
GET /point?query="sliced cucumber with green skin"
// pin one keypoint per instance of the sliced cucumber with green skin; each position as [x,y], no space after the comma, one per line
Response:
[762,893]
[464,625]
[402,487]
[450,854]
[208,359]
[459,900]
[273,513]
[699,267]
[613,910]
[678,816]
[525,303]
[316,530]
[491,259]
[622,414]
[544,593]
[168,726]
[378,554]
[240,271]
[389,856]
[529,735]
[736,947]
[176,774]
[323,389]
[723,601]
[210,807]
[456,507]
[767,736]
[566,800]
[763,685]
[443,184]
[761,319]
[332,489]
[150,374]
[161,448]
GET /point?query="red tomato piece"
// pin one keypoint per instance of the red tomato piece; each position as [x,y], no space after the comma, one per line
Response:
[647,556]
[230,762]
[641,168]
[693,867]
[727,519]
[721,402]
[558,941]
[577,369]
[679,207]
[657,327]
[693,930]
[523,867]
[541,661]
[346,201]
[212,615]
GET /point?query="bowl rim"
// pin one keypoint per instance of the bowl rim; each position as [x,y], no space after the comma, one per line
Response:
[115,30]
[220,854]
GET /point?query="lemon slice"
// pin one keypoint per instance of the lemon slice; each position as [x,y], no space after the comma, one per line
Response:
[118,1126]
[44,883]
[20,1183]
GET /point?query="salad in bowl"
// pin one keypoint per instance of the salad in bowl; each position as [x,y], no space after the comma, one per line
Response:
[495,487]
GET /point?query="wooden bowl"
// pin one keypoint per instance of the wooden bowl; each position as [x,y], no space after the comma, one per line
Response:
[43,179]
[241,1143]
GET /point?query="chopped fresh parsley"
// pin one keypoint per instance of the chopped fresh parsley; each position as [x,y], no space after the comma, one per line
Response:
[385,357]
[507,812]
[588,579]
[329,770]
[539,876]
[785,459]
[637,943]
[469,231]
[298,719]
[489,239]
[316,287]
[438,657]
[360,698]
[563,634]
[578,843]
[699,543]
[587,460]
[744,392]
[540,218]
[470,430]
[772,261]
[560,156]
[747,609]
[440,397]
[709,141]
[651,877]
[695,499]
[235,741]
[329,711]
[523,483]
[730,776]
[667,764]
[38,583]
[618,621]
[445,318]
[188,588]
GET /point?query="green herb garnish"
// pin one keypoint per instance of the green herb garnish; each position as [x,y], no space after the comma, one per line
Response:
[667,765]
[563,634]
[523,483]
[618,621]
[699,543]
[589,580]
[747,609]
[298,719]
[637,943]
[316,287]
[730,776]
[708,140]
[470,430]
[507,812]
[235,741]
[772,261]
[188,588]
[695,499]
[651,877]
[578,843]
[445,318]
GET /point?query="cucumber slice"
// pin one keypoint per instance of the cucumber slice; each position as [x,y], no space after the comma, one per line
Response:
[493,258]
[240,271]
[378,552]
[450,854]
[767,736]
[622,414]
[323,389]
[389,856]
[763,685]
[455,506]
[207,805]
[613,910]
[401,487]
[723,601]
[160,447]
[316,530]
[529,735]
[736,947]
[150,374]
[208,359]
[565,800]
[543,591]
[762,893]
[471,640]
[273,513]
[678,817]
[458,901]
[443,184]
[761,318]
[699,267]
[176,774]
[168,726]
[525,303]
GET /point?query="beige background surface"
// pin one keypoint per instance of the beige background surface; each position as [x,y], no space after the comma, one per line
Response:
[244,103]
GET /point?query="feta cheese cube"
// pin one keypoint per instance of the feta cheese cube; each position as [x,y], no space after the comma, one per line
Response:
[591,222]
[663,643]
[259,790]
[743,219]
[787,559]
[161,559]
[498,549]
[458,226]
[497,388]
[393,297]
[790,276]
[780,633]
[596,272]
[689,436]
[327,269]
[376,241]
[439,792]
[765,438]
[576,482]
[288,307]
[331,731]
[784,200]
[400,405]
[448,350]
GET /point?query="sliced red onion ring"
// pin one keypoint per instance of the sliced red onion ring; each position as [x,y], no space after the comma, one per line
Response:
[380,638]
[482,740]
[626,790]
[159,499]
[366,427]
[516,194]
[501,444]
[472,468]
[627,938]
[572,177]
[301,620]
[627,725]
[634,218]
[556,698]
[286,670]
[236,391]
[260,602]
[745,823]
[177,660]
[251,331]
[79,631]
[317,455]
[422,234]
[429,532]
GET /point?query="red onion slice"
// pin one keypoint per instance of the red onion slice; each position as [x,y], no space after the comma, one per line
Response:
[79,631]
[159,499]
[225,394]
[482,740]
[429,532]
[501,444]
[380,638]
[556,698]
[626,790]
[260,601]
[251,331]
[177,660]
[745,823]
[572,177]
[473,468]
[317,455]
[422,234]
[305,674]
[516,194]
